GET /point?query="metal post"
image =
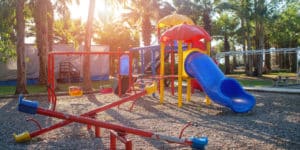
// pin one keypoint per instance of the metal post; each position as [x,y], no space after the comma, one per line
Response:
[162,71]
[153,64]
[180,68]
[142,61]
[113,141]
[97,131]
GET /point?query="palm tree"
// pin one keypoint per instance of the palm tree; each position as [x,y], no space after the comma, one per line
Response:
[125,36]
[41,22]
[206,7]
[21,71]
[140,15]
[226,25]
[242,8]
[87,83]
[50,19]
[43,12]
[7,29]
[260,13]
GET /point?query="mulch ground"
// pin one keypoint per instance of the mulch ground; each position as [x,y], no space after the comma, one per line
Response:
[274,123]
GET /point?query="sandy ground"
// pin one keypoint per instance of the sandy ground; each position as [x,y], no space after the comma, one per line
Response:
[274,123]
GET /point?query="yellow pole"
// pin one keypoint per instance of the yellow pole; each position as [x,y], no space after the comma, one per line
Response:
[180,68]
[162,71]
[207,99]
[208,48]
[189,46]
[189,84]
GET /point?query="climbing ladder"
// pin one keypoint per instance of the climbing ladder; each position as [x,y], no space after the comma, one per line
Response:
[68,72]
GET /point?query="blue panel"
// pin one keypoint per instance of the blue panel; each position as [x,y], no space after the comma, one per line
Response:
[124,65]
[14,82]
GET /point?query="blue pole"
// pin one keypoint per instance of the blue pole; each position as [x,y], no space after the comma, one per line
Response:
[153,62]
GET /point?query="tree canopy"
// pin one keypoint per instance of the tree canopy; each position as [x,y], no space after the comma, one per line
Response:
[253,24]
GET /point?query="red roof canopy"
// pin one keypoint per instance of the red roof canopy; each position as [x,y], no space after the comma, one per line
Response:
[185,32]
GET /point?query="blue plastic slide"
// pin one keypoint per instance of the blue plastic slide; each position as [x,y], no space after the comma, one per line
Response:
[221,89]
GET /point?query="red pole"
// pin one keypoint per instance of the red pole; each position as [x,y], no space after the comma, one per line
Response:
[97,131]
[113,141]
[86,120]
[84,53]
[172,71]
[114,135]
[130,71]
[52,88]
[52,72]
[49,78]
[128,145]
[119,72]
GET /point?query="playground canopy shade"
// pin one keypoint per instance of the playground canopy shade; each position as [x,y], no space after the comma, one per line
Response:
[185,32]
[174,19]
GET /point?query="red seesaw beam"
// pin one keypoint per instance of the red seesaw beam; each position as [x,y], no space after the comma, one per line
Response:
[31,107]
[90,113]
[118,128]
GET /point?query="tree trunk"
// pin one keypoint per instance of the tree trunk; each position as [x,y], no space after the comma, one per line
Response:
[87,85]
[207,20]
[146,33]
[281,60]
[247,16]
[234,62]
[50,20]
[294,62]
[267,67]
[249,66]
[21,71]
[244,43]
[259,28]
[287,60]
[226,49]
[40,18]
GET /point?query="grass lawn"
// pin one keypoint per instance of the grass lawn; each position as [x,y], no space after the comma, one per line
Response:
[253,81]
[62,87]
[265,80]
[10,90]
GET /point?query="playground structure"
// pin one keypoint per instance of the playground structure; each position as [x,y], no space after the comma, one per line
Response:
[116,131]
[195,63]
[193,50]
[192,63]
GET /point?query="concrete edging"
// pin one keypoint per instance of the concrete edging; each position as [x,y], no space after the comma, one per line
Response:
[273,90]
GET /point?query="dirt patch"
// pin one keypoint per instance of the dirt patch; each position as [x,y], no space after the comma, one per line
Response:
[274,123]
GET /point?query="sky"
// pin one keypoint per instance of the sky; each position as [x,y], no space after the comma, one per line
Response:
[81,11]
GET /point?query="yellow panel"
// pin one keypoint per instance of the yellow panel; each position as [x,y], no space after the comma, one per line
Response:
[185,55]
